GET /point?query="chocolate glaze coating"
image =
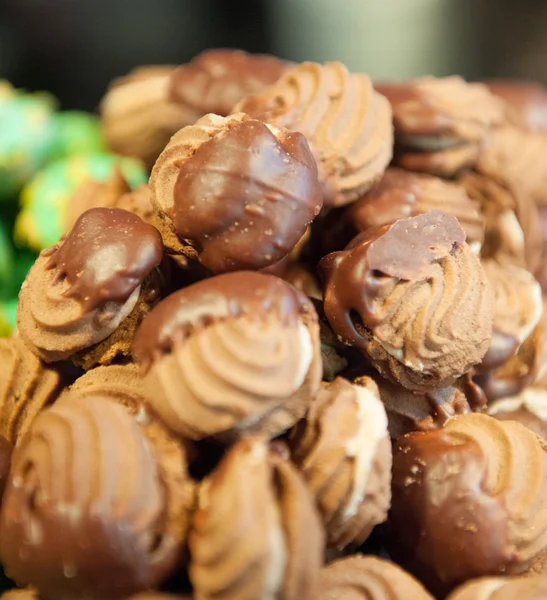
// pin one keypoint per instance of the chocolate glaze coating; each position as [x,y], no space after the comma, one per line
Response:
[5,462]
[216,79]
[214,300]
[106,256]
[245,197]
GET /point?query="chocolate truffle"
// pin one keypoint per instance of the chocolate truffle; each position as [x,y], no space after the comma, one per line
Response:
[468,500]
[256,533]
[414,297]
[88,511]
[94,194]
[502,588]
[346,122]
[27,385]
[235,353]
[343,450]
[361,577]
[236,192]
[528,408]
[440,123]
[412,411]
[518,308]
[526,102]
[402,194]
[84,297]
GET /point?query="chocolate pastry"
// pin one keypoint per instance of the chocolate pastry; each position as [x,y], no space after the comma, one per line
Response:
[343,450]
[232,354]
[27,385]
[402,194]
[526,102]
[503,588]
[94,194]
[235,192]
[84,297]
[468,501]
[528,408]
[93,508]
[361,577]
[256,533]
[304,279]
[440,124]
[414,298]
[413,411]
[346,122]
[6,450]
[518,308]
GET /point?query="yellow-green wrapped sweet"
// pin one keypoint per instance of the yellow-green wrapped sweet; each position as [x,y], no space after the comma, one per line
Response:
[6,260]
[8,311]
[27,135]
[43,200]
[76,132]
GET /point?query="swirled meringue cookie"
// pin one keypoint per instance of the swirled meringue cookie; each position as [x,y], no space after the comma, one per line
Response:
[139,113]
[414,297]
[440,123]
[503,588]
[343,450]
[362,577]
[468,500]
[412,411]
[27,385]
[256,532]
[402,194]
[84,297]
[30,594]
[528,408]
[232,354]
[236,192]
[94,194]
[526,102]
[346,122]
[518,307]
[139,202]
[89,510]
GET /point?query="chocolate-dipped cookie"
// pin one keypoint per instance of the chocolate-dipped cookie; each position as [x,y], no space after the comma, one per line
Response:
[235,353]
[468,500]
[368,578]
[256,532]
[526,102]
[84,297]
[528,408]
[27,385]
[343,450]
[94,508]
[442,123]
[346,122]
[235,192]
[413,411]
[414,298]
[502,588]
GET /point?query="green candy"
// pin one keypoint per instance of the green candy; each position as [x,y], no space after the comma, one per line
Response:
[76,132]
[43,200]
[6,260]
[8,311]
[27,138]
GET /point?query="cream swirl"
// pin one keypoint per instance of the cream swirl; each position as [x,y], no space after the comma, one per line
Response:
[344,452]
[477,484]
[27,385]
[368,578]
[85,498]
[346,122]
[230,354]
[502,588]
[139,115]
[414,297]
[256,533]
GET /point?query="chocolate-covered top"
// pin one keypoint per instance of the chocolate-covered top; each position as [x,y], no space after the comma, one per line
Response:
[243,293]
[245,197]
[106,256]
[5,462]
[216,79]
[404,250]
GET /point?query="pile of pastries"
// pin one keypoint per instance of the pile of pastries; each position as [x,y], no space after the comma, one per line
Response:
[306,360]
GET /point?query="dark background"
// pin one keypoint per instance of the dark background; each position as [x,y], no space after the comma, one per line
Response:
[73,48]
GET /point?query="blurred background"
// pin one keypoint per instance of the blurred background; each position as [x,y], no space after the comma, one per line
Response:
[73,48]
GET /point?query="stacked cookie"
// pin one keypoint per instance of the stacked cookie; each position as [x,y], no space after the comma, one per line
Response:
[305,361]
